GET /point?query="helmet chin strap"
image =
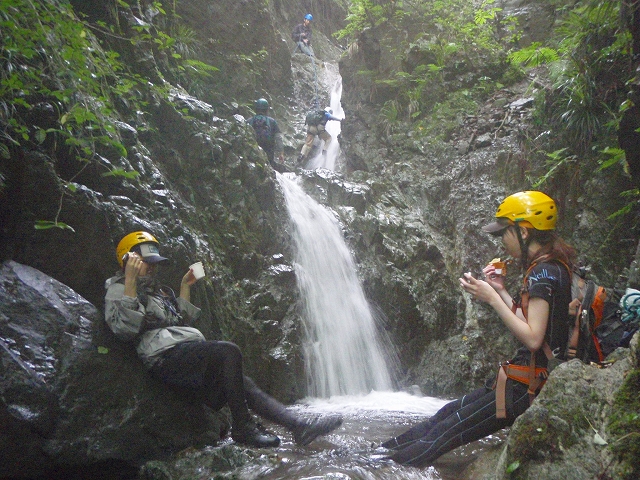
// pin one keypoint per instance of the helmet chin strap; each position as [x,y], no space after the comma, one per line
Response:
[524,248]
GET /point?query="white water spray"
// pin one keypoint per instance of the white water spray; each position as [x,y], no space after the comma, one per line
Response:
[342,348]
[333,129]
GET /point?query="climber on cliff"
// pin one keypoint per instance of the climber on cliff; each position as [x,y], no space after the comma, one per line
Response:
[140,309]
[316,122]
[268,134]
[539,319]
[302,34]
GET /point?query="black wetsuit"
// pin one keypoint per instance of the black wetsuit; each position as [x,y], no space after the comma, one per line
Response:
[474,415]
[210,372]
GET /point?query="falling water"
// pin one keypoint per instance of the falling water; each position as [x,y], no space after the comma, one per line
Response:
[333,129]
[342,349]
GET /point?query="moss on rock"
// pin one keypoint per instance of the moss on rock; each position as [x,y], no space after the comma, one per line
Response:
[624,426]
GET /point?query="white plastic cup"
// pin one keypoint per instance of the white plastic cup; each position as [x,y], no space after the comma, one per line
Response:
[198,270]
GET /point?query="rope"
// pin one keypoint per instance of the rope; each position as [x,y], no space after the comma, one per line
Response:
[316,100]
[315,75]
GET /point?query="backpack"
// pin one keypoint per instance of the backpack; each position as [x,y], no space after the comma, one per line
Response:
[314,118]
[604,321]
[264,131]
[602,324]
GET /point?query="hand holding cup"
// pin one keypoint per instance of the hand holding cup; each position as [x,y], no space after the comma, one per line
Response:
[499,266]
[195,273]
[495,273]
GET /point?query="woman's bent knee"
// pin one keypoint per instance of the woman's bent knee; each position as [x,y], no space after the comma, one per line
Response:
[229,350]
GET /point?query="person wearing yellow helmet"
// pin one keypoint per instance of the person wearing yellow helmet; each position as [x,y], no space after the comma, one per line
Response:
[143,244]
[140,309]
[537,213]
[525,221]
[530,208]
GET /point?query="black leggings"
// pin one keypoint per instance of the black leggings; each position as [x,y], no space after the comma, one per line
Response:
[211,372]
[457,423]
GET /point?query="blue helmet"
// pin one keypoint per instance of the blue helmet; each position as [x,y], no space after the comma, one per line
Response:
[309,17]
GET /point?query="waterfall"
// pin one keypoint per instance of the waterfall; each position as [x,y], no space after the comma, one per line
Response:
[342,348]
[333,128]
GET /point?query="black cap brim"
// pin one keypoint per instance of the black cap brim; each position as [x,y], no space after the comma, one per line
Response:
[150,254]
[153,259]
[497,227]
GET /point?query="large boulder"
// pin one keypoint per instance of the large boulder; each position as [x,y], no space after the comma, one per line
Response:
[74,398]
[568,432]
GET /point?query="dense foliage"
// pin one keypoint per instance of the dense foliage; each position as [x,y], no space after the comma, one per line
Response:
[61,88]
[590,65]
[436,41]
[587,61]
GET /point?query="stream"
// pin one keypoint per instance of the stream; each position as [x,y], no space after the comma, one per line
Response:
[351,452]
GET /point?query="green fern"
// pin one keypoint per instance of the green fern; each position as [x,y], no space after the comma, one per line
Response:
[534,55]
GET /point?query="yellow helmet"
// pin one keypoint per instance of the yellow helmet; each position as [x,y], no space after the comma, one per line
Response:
[530,209]
[149,253]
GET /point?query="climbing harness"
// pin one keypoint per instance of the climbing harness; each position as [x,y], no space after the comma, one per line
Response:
[531,375]
[534,377]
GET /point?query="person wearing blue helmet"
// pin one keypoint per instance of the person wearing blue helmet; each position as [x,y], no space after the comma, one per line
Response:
[316,122]
[302,35]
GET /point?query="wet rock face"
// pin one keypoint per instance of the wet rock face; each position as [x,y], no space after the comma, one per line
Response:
[419,229]
[535,17]
[209,197]
[71,394]
[204,190]
[437,193]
